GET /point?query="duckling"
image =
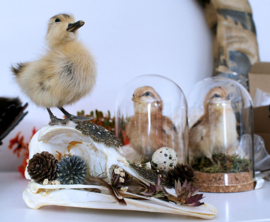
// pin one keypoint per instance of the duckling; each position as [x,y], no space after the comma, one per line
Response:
[215,131]
[148,130]
[62,76]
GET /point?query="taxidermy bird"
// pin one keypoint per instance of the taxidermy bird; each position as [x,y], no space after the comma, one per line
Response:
[11,113]
[62,76]
[215,131]
[148,130]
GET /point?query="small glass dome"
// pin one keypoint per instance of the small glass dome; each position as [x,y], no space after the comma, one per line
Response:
[151,121]
[221,135]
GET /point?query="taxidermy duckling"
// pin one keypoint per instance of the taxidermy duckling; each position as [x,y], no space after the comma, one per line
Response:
[148,130]
[65,74]
[215,131]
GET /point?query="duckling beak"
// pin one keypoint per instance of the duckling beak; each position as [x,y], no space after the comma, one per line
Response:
[72,27]
[136,99]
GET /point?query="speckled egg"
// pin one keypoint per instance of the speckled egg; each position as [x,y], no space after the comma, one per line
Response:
[164,159]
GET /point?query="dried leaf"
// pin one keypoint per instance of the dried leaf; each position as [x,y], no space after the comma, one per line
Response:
[101,182]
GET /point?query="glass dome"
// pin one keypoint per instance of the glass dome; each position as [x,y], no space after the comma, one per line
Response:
[151,121]
[221,135]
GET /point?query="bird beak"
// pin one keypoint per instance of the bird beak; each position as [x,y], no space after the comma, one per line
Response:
[72,27]
[136,99]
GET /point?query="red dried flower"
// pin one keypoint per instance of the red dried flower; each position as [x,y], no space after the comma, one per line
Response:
[17,143]
[21,148]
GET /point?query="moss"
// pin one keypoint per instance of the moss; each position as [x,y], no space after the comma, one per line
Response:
[223,164]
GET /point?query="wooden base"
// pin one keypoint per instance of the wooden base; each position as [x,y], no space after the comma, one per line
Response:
[224,182]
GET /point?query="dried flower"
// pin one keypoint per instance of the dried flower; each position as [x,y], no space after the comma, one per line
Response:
[21,148]
[45,182]
[71,170]
[156,190]
[117,171]
[124,189]
[17,143]
[114,191]
[187,194]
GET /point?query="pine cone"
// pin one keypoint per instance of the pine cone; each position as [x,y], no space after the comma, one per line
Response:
[42,166]
[180,172]
[71,170]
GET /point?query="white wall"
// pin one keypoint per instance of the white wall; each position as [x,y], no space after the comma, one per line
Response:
[128,39]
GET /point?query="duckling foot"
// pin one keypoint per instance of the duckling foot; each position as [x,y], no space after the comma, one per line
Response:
[75,119]
[213,161]
[55,120]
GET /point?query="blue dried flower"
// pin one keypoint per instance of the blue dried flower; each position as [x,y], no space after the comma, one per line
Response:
[71,170]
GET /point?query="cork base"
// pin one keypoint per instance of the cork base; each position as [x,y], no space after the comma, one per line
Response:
[224,182]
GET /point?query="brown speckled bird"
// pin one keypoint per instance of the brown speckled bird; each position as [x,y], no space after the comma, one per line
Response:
[215,131]
[65,74]
[148,129]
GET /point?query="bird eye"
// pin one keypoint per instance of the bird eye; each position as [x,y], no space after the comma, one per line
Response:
[216,95]
[57,20]
[133,95]
[147,94]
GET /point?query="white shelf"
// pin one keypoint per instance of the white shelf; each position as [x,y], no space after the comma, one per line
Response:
[245,206]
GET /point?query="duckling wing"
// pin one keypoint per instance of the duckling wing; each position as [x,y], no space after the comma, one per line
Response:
[167,126]
[18,69]
[198,140]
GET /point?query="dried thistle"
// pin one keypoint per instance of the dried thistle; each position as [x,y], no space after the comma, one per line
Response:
[71,170]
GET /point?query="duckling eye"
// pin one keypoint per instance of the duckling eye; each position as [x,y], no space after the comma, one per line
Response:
[147,94]
[57,20]
[216,95]
[133,95]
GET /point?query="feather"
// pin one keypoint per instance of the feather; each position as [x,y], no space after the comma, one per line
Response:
[11,113]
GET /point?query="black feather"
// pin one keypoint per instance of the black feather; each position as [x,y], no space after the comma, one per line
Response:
[11,113]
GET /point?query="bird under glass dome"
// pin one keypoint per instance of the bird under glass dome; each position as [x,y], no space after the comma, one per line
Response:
[151,121]
[221,135]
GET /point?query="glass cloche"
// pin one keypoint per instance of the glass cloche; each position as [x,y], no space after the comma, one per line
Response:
[151,121]
[221,135]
